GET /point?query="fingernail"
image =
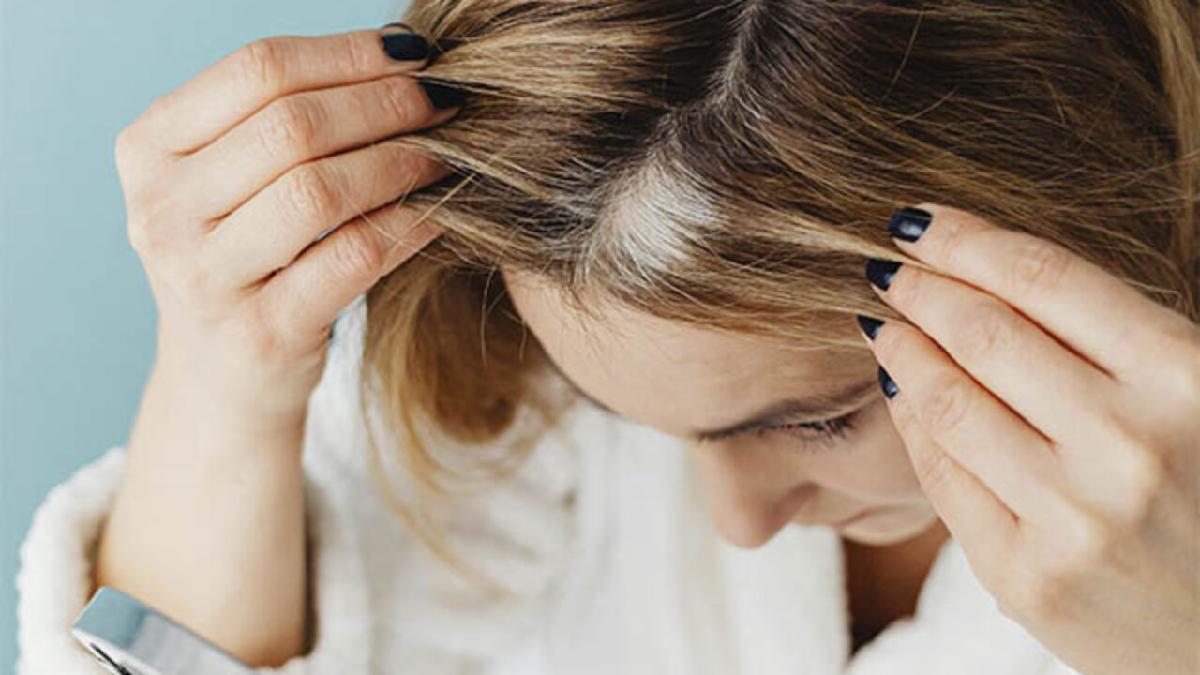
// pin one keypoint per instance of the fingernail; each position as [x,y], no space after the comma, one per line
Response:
[404,45]
[909,223]
[880,272]
[887,384]
[443,95]
[870,327]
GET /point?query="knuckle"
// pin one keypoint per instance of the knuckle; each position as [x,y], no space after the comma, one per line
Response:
[1011,591]
[142,199]
[1124,436]
[933,470]
[141,238]
[259,338]
[1012,598]
[1146,477]
[157,106]
[123,146]
[949,239]
[153,110]
[992,332]
[889,344]
[269,334]
[1134,448]
[154,200]
[947,404]
[905,290]
[150,224]
[1182,338]
[401,101]
[1144,468]
[357,250]
[1189,384]
[1111,427]
[289,127]
[1038,266]
[260,64]
[309,194]
[131,159]
[905,417]
[1039,597]
[196,282]
[353,58]
[407,169]
[1092,539]
[1149,470]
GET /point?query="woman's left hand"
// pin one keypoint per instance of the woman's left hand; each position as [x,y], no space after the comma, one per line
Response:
[1052,416]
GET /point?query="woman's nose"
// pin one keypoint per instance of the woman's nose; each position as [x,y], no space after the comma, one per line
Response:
[750,498]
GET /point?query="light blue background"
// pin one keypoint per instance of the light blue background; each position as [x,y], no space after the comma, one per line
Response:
[76,315]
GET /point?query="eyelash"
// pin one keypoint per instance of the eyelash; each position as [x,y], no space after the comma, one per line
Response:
[827,429]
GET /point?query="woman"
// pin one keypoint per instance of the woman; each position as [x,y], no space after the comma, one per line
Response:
[975,459]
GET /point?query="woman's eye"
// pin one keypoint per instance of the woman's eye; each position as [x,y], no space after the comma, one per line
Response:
[823,430]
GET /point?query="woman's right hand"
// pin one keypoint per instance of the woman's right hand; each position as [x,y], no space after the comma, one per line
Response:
[229,178]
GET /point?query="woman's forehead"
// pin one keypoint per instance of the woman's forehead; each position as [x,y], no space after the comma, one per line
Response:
[674,375]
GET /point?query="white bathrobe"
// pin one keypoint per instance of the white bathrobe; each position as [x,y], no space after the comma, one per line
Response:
[603,535]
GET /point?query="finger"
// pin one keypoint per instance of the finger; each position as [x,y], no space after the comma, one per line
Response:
[271,229]
[983,526]
[228,91]
[302,127]
[1048,385]
[1090,310]
[344,264]
[983,435]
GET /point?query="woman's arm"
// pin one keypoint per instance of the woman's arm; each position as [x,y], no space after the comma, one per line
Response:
[231,185]
[209,525]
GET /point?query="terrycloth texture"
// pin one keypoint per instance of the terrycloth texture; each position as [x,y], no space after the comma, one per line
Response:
[602,532]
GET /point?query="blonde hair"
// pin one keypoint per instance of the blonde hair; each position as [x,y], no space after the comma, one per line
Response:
[732,163]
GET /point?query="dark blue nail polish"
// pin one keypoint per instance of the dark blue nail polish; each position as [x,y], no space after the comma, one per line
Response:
[870,327]
[406,46]
[909,223]
[443,95]
[880,272]
[887,384]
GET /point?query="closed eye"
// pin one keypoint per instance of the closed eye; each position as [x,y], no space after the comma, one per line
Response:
[834,427]
[813,435]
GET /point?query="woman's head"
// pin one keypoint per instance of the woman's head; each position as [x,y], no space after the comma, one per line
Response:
[712,175]
[828,452]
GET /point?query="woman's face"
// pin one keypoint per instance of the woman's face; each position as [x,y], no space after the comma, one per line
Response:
[684,380]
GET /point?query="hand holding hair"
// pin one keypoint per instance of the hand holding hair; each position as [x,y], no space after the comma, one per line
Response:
[1052,414]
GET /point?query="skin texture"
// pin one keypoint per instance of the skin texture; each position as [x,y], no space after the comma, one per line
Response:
[676,378]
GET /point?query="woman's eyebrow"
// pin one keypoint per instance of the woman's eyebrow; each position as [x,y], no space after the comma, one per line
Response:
[788,409]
